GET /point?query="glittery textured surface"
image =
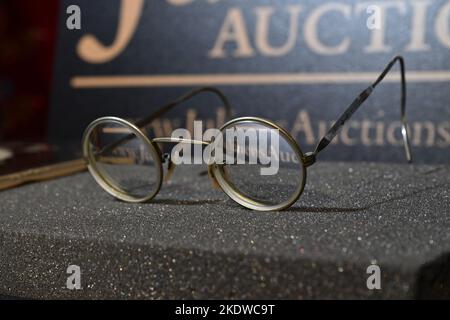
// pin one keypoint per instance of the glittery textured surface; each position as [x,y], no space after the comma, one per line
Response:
[193,242]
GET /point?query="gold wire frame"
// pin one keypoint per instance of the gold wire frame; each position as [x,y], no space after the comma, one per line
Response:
[103,179]
[216,170]
[240,198]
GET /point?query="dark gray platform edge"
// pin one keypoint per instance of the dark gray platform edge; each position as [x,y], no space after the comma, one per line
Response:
[193,242]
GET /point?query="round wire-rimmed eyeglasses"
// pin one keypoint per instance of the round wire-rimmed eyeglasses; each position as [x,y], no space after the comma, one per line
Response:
[126,163]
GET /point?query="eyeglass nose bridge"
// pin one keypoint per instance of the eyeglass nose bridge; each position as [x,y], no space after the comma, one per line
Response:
[213,178]
[166,158]
[171,165]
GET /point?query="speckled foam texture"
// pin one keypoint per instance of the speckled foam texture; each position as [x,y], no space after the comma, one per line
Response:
[193,242]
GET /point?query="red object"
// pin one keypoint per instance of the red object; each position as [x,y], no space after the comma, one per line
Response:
[27,38]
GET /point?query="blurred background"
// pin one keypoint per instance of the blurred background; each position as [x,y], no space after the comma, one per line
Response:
[31,32]
[27,43]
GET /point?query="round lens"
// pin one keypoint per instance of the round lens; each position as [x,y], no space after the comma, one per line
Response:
[262,168]
[122,160]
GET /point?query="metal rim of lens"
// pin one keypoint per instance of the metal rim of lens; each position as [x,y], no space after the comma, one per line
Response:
[237,196]
[101,179]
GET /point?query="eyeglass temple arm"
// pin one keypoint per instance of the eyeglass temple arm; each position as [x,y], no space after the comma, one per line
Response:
[158,113]
[147,120]
[331,134]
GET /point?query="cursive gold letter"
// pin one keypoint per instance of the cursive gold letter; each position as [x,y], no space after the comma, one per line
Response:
[91,50]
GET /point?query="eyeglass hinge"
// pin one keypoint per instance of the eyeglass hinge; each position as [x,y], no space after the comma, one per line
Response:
[309,158]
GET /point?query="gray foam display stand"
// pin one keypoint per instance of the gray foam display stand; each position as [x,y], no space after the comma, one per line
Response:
[193,242]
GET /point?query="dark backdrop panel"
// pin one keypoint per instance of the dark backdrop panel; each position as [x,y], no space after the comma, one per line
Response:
[305,87]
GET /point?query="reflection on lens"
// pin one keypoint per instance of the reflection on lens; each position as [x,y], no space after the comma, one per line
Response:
[123,160]
[260,183]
